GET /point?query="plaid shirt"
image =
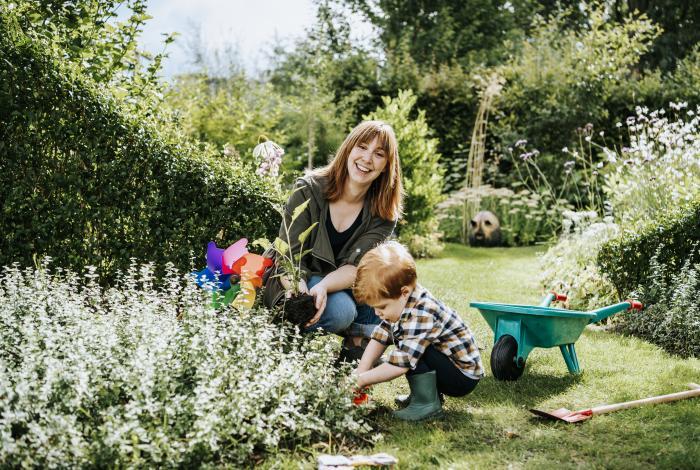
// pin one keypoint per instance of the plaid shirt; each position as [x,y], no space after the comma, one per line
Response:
[425,321]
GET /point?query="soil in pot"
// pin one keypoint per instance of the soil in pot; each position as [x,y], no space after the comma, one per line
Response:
[299,309]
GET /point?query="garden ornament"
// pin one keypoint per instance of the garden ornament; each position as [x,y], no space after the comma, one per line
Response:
[562,414]
[484,229]
[232,274]
[254,264]
[214,257]
[246,298]
[518,329]
[208,279]
[232,254]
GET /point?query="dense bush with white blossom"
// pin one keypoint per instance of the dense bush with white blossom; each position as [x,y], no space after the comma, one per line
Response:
[141,375]
[658,174]
[570,265]
[660,170]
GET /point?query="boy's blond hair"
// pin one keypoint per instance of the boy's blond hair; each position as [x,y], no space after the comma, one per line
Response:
[382,272]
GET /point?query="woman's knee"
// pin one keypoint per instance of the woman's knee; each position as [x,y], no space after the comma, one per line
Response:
[340,312]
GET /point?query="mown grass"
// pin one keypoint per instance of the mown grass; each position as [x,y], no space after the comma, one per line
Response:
[492,428]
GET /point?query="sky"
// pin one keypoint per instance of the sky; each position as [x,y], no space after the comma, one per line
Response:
[249,28]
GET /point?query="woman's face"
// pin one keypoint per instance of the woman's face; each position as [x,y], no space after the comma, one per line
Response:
[366,162]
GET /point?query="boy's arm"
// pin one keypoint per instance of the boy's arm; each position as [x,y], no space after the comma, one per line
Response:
[372,352]
[383,373]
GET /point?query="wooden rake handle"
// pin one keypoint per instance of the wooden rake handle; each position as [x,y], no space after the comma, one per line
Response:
[647,401]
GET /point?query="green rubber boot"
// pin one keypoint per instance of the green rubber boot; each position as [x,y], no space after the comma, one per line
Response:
[425,402]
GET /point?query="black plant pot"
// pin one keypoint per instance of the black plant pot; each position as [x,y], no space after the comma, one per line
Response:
[299,309]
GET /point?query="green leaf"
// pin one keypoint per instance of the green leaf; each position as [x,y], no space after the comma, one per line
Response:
[262,242]
[280,246]
[303,235]
[299,209]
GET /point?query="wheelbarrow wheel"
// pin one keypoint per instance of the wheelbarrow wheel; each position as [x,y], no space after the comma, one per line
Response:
[503,356]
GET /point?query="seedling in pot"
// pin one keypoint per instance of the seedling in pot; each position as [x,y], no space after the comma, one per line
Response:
[298,307]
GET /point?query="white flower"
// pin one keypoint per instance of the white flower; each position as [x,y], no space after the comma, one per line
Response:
[270,156]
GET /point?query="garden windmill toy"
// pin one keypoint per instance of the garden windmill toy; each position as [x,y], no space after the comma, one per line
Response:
[232,274]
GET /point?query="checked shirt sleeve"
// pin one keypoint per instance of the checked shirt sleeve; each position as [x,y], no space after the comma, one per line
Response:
[419,330]
[382,333]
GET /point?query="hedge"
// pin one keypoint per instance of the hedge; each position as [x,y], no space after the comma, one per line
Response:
[626,260]
[86,183]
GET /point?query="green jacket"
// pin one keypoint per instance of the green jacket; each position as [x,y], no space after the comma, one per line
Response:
[372,231]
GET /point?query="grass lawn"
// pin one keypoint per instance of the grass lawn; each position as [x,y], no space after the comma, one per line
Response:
[492,428]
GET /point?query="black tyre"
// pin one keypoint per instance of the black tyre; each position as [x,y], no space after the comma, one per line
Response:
[503,364]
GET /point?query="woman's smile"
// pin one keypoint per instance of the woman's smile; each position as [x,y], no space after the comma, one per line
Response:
[366,161]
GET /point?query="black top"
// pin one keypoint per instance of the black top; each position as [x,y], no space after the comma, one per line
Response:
[338,239]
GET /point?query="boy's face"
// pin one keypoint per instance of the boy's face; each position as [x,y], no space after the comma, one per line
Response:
[391,309]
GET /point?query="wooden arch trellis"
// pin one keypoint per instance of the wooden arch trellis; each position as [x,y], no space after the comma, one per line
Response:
[477,147]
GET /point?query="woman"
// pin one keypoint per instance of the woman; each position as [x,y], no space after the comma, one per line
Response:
[356,200]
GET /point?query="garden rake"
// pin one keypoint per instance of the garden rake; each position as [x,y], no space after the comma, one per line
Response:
[563,414]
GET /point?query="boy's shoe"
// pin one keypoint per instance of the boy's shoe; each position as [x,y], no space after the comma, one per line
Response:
[424,402]
[402,401]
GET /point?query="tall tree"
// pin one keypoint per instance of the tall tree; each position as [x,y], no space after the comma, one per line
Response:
[436,32]
[680,21]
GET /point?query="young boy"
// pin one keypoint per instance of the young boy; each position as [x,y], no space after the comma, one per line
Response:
[433,346]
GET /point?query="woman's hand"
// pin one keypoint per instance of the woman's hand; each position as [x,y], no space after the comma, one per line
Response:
[320,294]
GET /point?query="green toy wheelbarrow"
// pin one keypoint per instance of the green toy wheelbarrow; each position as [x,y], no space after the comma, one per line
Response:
[518,329]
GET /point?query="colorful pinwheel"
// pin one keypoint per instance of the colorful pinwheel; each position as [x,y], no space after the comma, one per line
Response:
[232,274]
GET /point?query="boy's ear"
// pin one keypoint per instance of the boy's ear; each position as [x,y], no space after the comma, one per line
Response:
[405,290]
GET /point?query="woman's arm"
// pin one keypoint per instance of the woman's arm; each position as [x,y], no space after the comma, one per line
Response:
[341,278]
[383,373]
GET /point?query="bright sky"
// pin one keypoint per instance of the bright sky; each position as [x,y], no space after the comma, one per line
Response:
[249,27]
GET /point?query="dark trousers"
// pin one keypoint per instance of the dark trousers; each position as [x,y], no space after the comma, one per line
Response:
[450,379]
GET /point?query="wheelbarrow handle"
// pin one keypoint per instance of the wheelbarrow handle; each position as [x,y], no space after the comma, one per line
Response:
[635,305]
[552,297]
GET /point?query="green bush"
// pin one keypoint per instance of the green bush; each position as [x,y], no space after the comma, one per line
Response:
[145,375]
[562,79]
[673,321]
[84,182]
[670,240]
[421,173]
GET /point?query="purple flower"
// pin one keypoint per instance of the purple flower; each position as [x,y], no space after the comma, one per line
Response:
[521,143]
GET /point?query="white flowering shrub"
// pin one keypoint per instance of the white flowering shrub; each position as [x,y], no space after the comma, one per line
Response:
[141,375]
[656,174]
[660,170]
[570,266]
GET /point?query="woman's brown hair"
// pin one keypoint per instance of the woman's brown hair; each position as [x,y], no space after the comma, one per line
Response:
[386,192]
